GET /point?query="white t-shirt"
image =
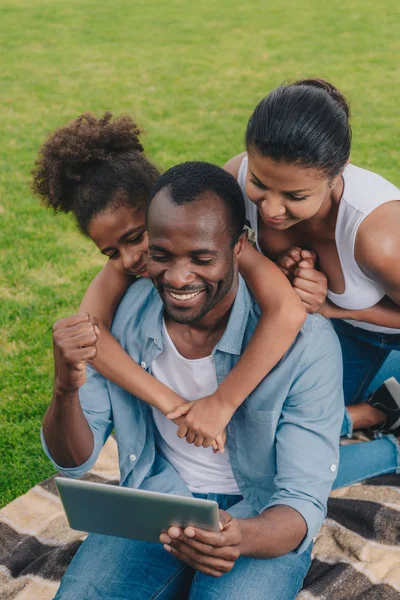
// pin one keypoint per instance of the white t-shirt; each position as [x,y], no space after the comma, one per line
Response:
[201,469]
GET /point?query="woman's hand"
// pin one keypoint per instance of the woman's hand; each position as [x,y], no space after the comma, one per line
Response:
[204,421]
[289,261]
[310,284]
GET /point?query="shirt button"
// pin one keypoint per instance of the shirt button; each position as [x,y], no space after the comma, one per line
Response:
[132,457]
[333,468]
[143,364]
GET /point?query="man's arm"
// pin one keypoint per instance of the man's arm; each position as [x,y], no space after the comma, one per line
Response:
[307,454]
[308,433]
[69,437]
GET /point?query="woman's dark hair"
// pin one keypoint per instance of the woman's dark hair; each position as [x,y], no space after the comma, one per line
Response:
[306,123]
[92,164]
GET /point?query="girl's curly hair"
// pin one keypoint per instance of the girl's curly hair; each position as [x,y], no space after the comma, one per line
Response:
[92,164]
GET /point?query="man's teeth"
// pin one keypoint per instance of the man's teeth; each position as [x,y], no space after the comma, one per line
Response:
[184,296]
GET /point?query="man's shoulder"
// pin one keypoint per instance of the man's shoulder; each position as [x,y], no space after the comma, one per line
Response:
[318,338]
[140,300]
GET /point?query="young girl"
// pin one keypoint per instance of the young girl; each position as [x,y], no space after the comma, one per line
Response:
[96,169]
[334,229]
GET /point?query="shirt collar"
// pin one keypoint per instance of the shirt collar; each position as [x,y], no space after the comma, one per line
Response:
[232,339]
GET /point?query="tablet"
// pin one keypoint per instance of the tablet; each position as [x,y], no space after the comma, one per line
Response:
[129,513]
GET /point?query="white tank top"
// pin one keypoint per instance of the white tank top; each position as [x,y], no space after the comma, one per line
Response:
[201,469]
[363,192]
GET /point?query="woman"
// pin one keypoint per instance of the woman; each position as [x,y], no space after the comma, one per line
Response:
[96,169]
[333,229]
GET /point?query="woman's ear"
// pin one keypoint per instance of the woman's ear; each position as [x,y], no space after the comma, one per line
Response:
[338,176]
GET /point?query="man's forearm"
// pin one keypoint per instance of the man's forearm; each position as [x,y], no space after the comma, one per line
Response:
[275,532]
[66,431]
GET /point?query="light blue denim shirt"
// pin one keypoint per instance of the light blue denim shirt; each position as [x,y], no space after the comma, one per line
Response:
[283,440]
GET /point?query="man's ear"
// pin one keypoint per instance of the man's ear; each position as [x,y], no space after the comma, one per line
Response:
[241,243]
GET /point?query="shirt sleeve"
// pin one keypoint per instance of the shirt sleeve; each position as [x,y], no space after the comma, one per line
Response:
[308,433]
[96,405]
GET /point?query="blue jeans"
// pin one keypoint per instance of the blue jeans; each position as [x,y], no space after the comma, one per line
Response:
[112,568]
[369,358]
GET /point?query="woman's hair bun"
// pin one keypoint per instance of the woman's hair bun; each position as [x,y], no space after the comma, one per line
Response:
[330,89]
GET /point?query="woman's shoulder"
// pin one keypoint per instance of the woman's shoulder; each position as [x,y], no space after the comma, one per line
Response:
[365,190]
[233,165]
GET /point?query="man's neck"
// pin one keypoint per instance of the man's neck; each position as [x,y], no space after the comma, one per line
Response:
[197,340]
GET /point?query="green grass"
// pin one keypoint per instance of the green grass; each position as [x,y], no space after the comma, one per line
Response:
[191,73]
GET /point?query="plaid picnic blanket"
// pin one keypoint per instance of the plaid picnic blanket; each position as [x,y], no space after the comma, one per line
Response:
[356,555]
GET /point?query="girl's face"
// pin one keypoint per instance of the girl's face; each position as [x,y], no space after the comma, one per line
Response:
[285,193]
[120,233]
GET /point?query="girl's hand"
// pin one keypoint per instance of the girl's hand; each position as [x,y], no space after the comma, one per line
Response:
[311,285]
[289,261]
[204,421]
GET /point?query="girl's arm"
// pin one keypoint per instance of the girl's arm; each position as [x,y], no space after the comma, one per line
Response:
[101,300]
[282,315]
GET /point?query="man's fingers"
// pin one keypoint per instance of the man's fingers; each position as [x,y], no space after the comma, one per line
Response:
[82,340]
[191,563]
[211,538]
[76,356]
[71,321]
[191,556]
[179,411]
[70,332]
[225,552]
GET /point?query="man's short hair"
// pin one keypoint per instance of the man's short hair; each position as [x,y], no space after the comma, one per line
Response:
[188,181]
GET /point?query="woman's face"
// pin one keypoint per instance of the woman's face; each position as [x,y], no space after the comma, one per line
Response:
[285,193]
[120,233]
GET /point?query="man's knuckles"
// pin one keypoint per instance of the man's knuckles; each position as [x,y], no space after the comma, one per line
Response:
[74,331]
[71,321]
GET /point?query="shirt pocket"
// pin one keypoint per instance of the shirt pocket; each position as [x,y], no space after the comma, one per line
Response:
[255,441]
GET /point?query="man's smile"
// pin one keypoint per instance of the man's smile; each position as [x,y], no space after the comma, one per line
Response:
[184,296]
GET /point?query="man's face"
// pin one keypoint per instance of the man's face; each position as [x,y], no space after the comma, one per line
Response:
[191,261]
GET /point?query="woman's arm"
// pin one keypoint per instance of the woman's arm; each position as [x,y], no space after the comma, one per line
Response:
[386,313]
[101,300]
[377,252]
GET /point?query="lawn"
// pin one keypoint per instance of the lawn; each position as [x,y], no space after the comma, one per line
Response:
[191,73]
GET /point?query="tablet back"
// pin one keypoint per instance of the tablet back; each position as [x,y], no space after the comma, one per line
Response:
[136,514]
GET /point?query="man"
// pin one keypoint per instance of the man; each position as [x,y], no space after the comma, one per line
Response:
[273,481]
